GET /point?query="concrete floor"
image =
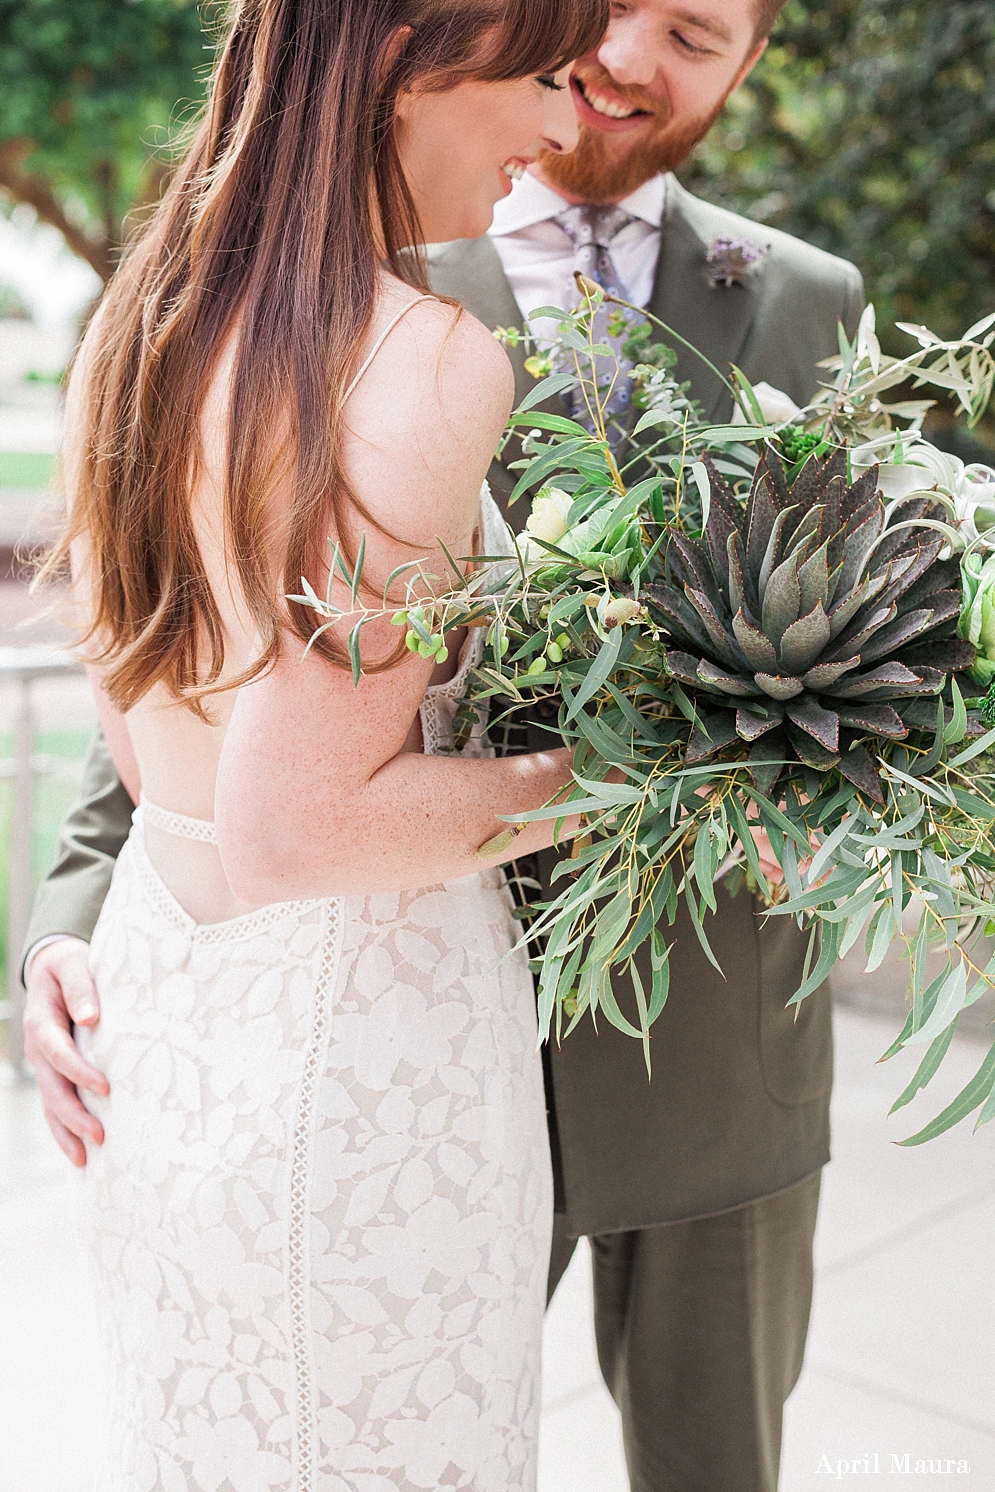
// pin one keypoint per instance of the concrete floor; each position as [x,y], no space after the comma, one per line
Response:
[901,1352]
[901,1355]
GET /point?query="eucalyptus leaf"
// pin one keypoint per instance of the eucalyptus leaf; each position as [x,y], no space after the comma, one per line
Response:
[950,1001]
[968,1099]
[599,670]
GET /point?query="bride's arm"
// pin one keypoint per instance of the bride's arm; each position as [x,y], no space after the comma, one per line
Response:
[315,794]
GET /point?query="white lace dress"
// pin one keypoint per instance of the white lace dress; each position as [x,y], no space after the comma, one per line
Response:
[321,1215]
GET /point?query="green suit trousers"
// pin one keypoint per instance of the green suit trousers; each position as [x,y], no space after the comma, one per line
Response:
[701,1327]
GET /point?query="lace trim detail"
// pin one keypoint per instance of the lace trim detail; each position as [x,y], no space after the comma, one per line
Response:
[436,718]
[179,824]
[298,1233]
[204,934]
[161,898]
[251,923]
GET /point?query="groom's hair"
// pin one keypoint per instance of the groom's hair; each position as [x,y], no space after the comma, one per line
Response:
[766,17]
[270,240]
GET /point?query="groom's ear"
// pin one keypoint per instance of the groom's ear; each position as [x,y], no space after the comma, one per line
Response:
[750,63]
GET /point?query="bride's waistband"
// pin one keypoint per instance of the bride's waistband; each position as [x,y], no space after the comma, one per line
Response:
[180,825]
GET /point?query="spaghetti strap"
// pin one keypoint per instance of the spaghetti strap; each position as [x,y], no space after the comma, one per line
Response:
[382,339]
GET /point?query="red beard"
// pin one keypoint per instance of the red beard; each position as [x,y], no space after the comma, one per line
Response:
[603,168]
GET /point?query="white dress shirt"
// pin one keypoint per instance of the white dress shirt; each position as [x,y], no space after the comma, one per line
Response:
[538,257]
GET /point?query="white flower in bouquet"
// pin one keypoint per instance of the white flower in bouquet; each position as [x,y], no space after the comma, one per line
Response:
[548,520]
[777,407]
[909,464]
[550,512]
[975,498]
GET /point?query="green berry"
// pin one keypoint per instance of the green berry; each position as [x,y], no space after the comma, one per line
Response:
[554,652]
[441,655]
[399,619]
[426,650]
[563,640]
[411,642]
[538,665]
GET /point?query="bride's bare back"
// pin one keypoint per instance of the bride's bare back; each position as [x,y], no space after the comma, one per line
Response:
[421,426]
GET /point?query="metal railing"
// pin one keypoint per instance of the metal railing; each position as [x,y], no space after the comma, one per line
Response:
[23,666]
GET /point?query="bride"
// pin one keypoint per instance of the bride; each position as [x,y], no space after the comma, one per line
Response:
[320,1220]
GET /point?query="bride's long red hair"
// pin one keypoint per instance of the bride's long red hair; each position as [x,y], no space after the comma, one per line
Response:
[271,219]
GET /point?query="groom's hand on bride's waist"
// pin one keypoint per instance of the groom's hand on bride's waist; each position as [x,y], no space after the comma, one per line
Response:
[60,994]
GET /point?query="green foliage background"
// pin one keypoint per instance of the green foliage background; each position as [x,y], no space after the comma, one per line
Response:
[89,93]
[54,791]
[868,128]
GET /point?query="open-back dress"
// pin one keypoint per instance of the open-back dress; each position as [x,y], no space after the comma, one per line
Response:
[321,1215]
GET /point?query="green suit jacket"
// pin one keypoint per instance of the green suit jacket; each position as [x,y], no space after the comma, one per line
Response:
[738,1105]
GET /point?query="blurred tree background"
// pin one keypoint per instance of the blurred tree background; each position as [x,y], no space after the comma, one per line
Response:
[869,128]
[90,95]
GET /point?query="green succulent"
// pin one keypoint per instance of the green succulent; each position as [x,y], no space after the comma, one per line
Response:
[987,710]
[796,444]
[810,619]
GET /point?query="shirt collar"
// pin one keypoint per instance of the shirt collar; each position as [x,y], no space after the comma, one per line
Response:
[531,201]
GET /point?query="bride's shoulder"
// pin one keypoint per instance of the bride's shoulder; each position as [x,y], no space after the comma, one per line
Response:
[428,411]
[445,352]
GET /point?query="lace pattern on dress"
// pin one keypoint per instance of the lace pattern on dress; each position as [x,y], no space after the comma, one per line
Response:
[178,824]
[320,1219]
[298,1250]
[421,1233]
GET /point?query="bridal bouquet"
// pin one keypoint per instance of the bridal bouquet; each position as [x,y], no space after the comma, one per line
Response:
[780,627]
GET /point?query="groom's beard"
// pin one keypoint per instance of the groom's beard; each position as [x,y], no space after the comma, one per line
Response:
[605,167]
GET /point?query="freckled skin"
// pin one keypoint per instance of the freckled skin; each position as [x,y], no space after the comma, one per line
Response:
[319,788]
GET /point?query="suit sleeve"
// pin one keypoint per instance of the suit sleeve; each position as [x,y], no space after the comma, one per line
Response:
[91,837]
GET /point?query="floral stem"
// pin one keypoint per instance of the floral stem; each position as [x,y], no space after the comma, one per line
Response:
[616,300]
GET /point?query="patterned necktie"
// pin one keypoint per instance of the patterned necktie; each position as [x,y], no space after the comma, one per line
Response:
[591,231]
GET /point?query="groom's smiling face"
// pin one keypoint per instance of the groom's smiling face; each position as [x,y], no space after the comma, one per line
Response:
[652,91]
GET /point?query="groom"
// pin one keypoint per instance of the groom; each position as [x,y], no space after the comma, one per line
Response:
[698,1191]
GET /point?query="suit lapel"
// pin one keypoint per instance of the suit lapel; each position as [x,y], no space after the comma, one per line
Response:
[716,319]
[470,271]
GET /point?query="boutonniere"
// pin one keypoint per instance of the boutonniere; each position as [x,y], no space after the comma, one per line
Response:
[729,259]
